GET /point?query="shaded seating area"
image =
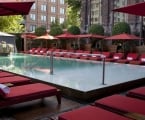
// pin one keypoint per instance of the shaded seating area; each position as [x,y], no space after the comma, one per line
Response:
[140,61]
[116,56]
[29,92]
[130,57]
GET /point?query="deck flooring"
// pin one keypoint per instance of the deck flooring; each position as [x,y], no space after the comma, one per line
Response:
[39,109]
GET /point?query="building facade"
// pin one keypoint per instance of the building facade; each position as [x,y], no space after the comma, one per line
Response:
[100,12]
[44,12]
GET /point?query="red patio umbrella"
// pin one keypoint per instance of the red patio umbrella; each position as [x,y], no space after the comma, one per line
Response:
[90,36]
[15,7]
[46,37]
[123,36]
[136,9]
[66,35]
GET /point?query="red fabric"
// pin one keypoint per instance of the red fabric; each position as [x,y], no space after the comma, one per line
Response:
[28,90]
[90,36]
[123,36]
[14,80]
[5,74]
[123,103]
[66,35]
[136,9]
[138,93]
[9,7]
[90,113]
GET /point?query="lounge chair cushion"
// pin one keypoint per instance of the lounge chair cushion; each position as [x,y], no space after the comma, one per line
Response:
[4,90]
[16,80]
[90,113]
[123,103]
[23,91]
[138,93]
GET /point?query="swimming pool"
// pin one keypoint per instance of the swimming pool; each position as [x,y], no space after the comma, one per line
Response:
[79,75]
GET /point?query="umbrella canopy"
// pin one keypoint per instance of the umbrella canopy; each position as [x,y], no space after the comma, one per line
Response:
[136,9]
[90,36]
[66,35]
[46,37]
[28,35]
[123,37]
[15,7]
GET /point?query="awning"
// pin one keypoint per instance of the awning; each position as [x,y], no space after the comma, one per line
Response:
[15,7]
[136,9]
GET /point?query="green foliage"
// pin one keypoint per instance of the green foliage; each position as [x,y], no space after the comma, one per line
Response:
[11,24]
[55,23]
[74,30]
[40,31]
[96,29]
[57,30]
[73,17]
[121,27]
[74,4]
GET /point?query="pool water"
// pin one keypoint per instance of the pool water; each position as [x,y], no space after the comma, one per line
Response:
[79,75]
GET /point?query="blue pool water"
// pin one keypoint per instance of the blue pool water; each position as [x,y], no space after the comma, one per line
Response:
[79,75]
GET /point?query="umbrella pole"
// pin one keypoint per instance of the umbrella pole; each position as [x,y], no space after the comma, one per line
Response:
[51,63]
[103,73]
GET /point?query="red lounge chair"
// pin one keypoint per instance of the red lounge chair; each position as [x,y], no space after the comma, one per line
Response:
[6,74]
[137,93]
[141,60]
[130,57]
[90,113]
[36,51]
[116,56]
[30,51]
[95,55]
[15,80]
[60,54]
[85,55]
[29,92]
[68,54]
[42,51]
[122,104]
[77,54]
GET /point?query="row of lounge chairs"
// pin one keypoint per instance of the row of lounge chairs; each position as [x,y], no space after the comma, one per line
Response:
[15,89]
[115,107]
[131,58]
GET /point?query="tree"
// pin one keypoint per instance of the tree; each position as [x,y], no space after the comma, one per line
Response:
[74,4]
[57,30]
[11,24]
[73,12]
[121,27]
[96,29]
[40,30]
[74,30]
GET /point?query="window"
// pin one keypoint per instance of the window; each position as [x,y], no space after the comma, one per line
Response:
[52,19]
[43,18]
[33,6]
[61,20]
[32,16]
[53,9]
[61,10]
[43,7]
[61,1]
[32,28]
